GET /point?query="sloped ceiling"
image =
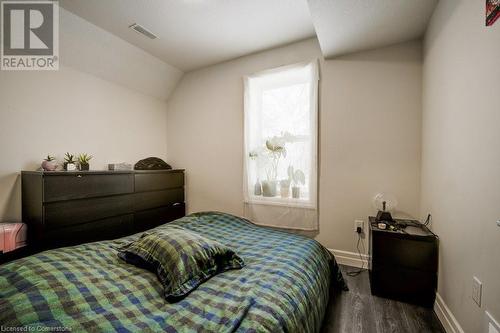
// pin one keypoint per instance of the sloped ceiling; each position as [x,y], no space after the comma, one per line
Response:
[346,26]
[95,51]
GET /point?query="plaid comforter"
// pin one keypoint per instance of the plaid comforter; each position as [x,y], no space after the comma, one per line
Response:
[283,287]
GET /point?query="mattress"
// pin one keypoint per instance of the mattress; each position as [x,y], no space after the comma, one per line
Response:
[284,286]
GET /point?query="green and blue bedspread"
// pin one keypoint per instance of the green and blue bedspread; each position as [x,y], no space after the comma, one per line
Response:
[284,286]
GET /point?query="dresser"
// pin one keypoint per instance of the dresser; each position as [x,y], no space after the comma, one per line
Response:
[404,262]
[68,208]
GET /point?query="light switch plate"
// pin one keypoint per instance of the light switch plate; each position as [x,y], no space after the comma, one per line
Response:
[490,324]
[476,290]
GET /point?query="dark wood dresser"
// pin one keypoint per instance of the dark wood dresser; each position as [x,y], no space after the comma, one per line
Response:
[404,263]
[67,208]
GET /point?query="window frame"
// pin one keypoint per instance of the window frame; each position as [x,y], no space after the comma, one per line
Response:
[311,202]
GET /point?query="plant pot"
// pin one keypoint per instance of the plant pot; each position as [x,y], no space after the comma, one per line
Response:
[84,167]
[69,166]
[285,191]
[269,188]
[49,165]
[295,192]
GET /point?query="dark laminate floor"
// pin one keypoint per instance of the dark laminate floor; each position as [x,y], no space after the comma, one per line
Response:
[357,310]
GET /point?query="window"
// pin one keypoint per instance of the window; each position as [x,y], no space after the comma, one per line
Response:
[281,137]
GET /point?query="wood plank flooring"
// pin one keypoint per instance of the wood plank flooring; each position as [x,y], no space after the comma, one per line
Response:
[357,311]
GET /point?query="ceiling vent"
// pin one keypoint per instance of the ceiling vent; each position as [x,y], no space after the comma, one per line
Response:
[143,31]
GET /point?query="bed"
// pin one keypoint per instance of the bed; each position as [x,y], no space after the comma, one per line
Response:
[283,287]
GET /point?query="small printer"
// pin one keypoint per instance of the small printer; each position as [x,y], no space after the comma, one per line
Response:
[12,236]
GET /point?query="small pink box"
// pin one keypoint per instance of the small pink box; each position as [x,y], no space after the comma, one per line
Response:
[12,236]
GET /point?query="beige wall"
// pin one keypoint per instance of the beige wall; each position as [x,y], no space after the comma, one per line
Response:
[370,110]
[67,110]
[461,154]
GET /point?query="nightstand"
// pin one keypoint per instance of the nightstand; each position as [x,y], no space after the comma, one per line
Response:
[404,263]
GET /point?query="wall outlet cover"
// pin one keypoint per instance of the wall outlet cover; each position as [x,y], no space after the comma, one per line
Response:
[360,224]
[476,290]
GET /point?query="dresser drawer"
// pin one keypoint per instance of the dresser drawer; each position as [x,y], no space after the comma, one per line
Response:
[158,181]
[404,253]
[110,228]
[65,213]
[81,185]
[151,218]
[156,199]
[407,285]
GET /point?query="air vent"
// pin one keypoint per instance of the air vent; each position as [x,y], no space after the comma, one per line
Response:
[143,31]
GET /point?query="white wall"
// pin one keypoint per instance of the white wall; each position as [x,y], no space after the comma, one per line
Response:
[111,104]
[67,110]
[461,154]
[370,109]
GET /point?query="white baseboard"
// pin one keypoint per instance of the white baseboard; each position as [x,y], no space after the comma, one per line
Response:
[447,319]
[350,258]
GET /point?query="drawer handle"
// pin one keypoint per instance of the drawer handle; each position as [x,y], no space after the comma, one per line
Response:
[176,204]
[79,176]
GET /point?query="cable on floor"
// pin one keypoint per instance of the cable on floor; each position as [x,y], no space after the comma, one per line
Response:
[358,271]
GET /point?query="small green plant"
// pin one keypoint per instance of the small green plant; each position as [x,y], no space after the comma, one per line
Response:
[50,158]
[69,158]
[84,158]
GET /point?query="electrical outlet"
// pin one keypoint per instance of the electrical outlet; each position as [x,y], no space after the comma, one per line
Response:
[476,290]
[359,224]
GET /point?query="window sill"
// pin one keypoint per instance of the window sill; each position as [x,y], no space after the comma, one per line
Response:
[277,201]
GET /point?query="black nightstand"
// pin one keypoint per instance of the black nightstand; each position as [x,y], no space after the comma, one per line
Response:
[404,263]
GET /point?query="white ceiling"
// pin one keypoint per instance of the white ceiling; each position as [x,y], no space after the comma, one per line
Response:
[346,26]
[197,33]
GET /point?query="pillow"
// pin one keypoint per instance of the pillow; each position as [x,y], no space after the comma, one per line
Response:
[181,259]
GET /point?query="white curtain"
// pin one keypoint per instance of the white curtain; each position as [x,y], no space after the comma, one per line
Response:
[281,143]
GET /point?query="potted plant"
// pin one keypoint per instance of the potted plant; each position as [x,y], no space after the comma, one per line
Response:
[69,162]
[285,188]
[83,160]
[49,163]
[297,177]
[275,150]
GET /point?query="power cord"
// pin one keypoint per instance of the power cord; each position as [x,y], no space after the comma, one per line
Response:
[428,220]
[358,271]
